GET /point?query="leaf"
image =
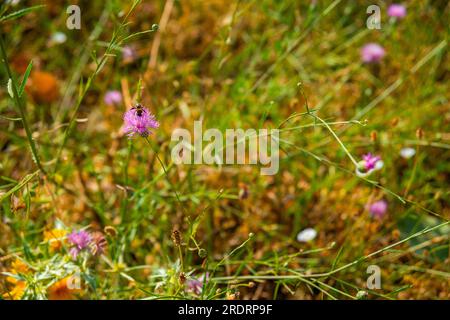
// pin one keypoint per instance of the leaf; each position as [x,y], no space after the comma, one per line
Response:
[19,186]
[337,258]
[80,88]
[13,275]
[25,78]
[27,250]
[137,34]
[20,13]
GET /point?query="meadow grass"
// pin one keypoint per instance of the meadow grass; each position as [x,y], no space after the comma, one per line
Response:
[158,230]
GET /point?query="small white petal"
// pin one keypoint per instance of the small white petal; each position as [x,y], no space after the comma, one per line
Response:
[407,153]
[378,165]
[59,37]
[306,235]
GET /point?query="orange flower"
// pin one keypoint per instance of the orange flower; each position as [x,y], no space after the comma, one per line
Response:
[17,291]
[43,86]
[55,238]
[19,267]
[64,289]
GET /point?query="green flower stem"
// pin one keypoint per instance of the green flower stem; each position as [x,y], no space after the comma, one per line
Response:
[176,194]
[167,176]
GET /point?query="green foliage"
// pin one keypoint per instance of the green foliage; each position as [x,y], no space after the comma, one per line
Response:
[224,232]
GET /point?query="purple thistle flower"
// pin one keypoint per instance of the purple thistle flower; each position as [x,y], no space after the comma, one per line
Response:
[74,253]
[112,97]
[80,240]
[396,11]
[370,161]
[372,53]
[139,120]
[129,54]
[196,284]
[378,209]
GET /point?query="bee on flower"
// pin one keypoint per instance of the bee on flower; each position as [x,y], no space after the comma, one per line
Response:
[139,120]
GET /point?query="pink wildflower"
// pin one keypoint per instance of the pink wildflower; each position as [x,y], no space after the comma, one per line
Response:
[370,161]
[139,120]
[378,209]
[196,284]
[129,54]
[112,97]
[372,53]
[396,11]
[80,240]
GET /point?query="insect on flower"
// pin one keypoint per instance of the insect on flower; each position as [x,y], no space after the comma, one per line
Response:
[139,120]
[139,109]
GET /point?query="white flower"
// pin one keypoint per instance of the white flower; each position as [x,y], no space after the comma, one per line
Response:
[407,153]
[306,235]
[59,37]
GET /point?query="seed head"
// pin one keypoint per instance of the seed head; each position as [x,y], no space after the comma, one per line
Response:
[176,237]
[98,244]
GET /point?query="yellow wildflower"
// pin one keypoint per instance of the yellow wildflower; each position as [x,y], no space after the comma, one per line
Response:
[18,266]
[16,293]
[55,238]
[62,290]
